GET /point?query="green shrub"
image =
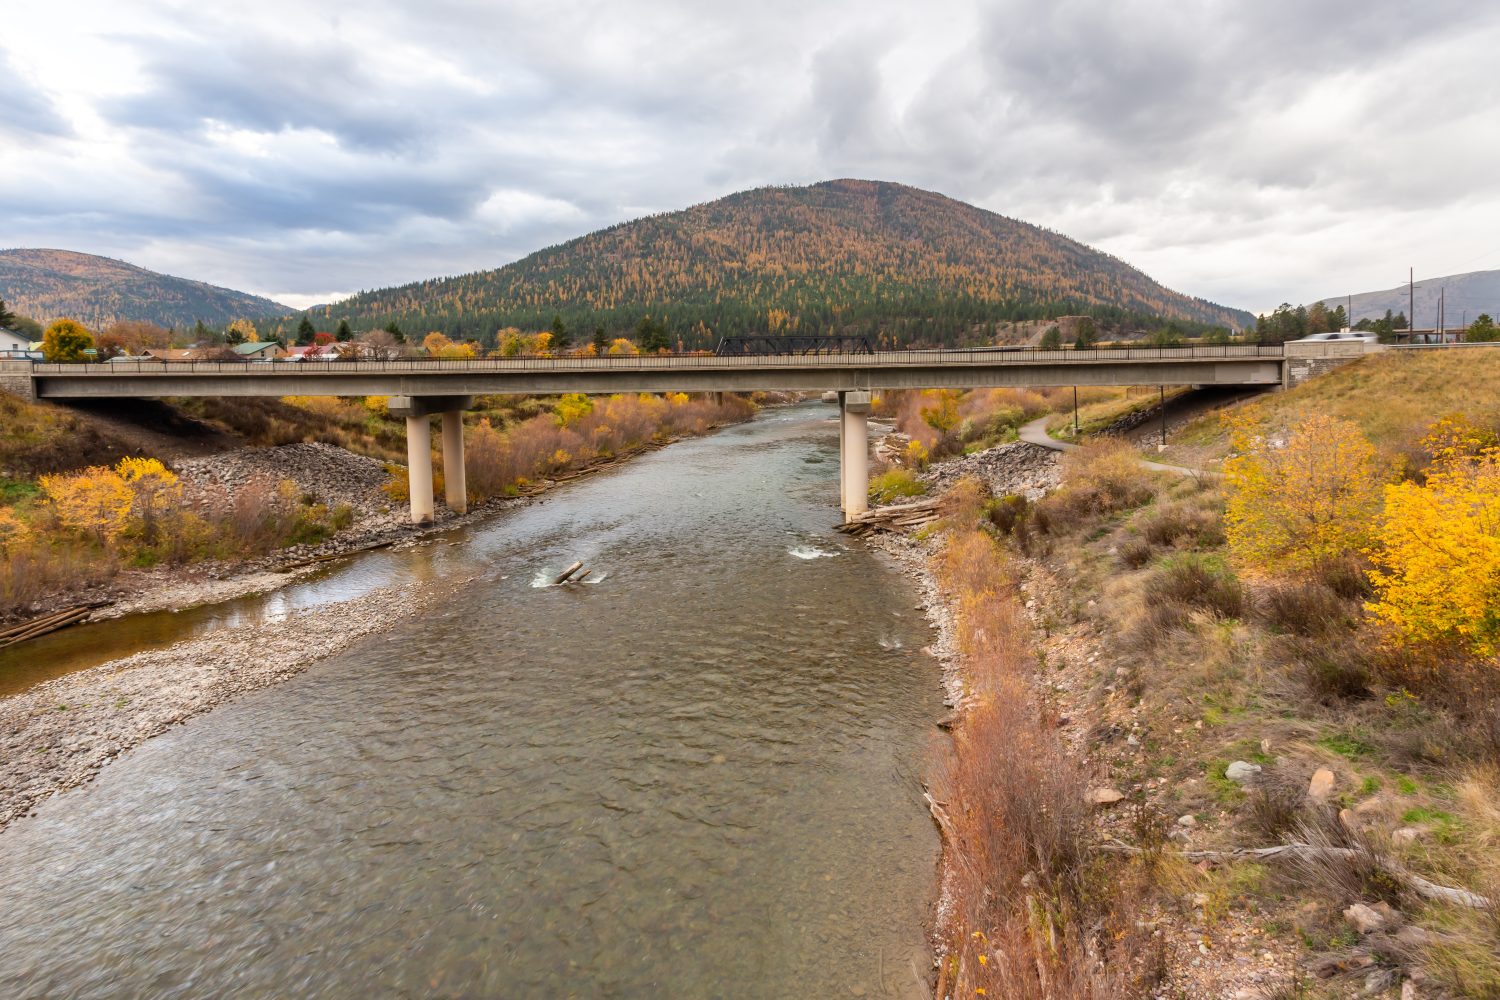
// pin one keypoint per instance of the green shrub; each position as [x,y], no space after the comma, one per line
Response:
[895,484]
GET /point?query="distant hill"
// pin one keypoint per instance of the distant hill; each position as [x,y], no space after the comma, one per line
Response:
[849,256]
[1472,293]
[97,291]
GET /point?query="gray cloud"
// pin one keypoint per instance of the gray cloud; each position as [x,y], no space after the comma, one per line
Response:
[1244,152]
[26,112]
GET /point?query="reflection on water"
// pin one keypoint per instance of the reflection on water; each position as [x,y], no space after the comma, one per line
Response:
[692,779]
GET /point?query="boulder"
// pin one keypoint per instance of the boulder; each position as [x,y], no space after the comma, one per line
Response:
[1241,772]
[1105,796]
[1321,785]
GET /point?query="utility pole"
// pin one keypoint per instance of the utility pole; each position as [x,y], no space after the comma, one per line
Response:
[1411,305]
[1075,412]
[1163,416]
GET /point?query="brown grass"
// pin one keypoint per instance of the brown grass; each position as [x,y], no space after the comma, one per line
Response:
[1036,913]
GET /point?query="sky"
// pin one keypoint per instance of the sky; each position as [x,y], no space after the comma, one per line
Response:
[1248,153]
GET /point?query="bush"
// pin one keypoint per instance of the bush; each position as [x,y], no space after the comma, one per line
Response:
[894,484]
[1296,503]
[1196,581]
[1099,478]
[1306,607]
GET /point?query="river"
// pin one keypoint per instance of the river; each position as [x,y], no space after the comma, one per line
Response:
[693,776]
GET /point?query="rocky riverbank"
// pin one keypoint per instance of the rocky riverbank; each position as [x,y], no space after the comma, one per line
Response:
[59,734]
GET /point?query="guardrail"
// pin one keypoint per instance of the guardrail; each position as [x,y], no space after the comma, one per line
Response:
[669,362]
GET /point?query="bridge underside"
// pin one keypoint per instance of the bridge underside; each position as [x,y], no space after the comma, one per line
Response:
[354,379]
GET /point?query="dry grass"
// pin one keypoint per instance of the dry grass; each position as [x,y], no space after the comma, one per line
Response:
[1392,397]
[1037,914]
[1098,479]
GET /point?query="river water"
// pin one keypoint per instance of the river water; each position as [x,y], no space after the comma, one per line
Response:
[693,776]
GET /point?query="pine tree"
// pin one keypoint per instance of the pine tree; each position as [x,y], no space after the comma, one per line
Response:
[601,340]
[394,329]
[343,335]
[6,316]
[305,332]
[1052,339]
[560,337]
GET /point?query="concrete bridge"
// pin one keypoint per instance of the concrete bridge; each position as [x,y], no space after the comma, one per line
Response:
[422,387]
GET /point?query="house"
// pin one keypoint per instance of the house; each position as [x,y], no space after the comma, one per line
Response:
[171,354]
[267,350]
[14,346]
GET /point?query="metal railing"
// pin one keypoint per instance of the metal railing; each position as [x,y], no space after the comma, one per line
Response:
[978,357]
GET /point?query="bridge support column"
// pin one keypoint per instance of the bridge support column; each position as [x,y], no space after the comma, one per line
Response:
[455,479]
[419,468]
[854,458]
[416,410]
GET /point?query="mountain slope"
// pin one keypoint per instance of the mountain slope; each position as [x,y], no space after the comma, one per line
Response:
[1467,294]
[97,291]
[908,266]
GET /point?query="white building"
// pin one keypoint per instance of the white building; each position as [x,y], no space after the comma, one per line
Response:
[14,345]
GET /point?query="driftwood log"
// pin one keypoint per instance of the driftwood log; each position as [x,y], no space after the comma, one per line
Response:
[896,517]
[563,576]
[44,624]
[1416,883]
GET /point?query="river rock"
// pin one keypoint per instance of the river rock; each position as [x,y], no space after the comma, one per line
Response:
[1369,919]
[1241,772]
[1105,796]
[1321,784]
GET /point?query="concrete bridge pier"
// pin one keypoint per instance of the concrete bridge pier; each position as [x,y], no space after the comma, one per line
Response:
[417,410]
[854,451]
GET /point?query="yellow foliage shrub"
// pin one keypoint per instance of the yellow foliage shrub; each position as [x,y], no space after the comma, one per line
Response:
[573,407]
[378,405]
[1437,551]
[1296,504]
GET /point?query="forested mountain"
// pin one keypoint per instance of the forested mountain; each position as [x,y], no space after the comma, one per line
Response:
[909,267]
[98,291]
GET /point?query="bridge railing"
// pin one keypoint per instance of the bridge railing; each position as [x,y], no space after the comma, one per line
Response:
[671,362]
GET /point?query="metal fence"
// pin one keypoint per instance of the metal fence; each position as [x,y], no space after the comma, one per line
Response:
[983,357]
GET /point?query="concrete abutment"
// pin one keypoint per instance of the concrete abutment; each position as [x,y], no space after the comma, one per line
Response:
[854,452]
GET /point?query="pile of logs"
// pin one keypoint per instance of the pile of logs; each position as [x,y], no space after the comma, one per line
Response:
[572,575]
[46,623]
[897,517]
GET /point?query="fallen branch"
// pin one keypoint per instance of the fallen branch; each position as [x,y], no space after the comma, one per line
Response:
[1416,883]
[563,577]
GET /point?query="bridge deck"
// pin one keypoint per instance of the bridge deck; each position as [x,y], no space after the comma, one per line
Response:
[1231,364]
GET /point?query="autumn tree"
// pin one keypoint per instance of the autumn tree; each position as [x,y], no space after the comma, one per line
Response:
[434,343]
[1296,503]
[241,331]
[95,502]
[621,345]
[65,341]
[1437,547]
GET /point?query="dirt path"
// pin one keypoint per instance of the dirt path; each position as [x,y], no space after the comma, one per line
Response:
[1036,433]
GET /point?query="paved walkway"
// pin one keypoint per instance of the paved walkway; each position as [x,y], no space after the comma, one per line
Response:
[1036,433]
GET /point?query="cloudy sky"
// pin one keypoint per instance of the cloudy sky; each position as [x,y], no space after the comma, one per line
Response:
[1247,152]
